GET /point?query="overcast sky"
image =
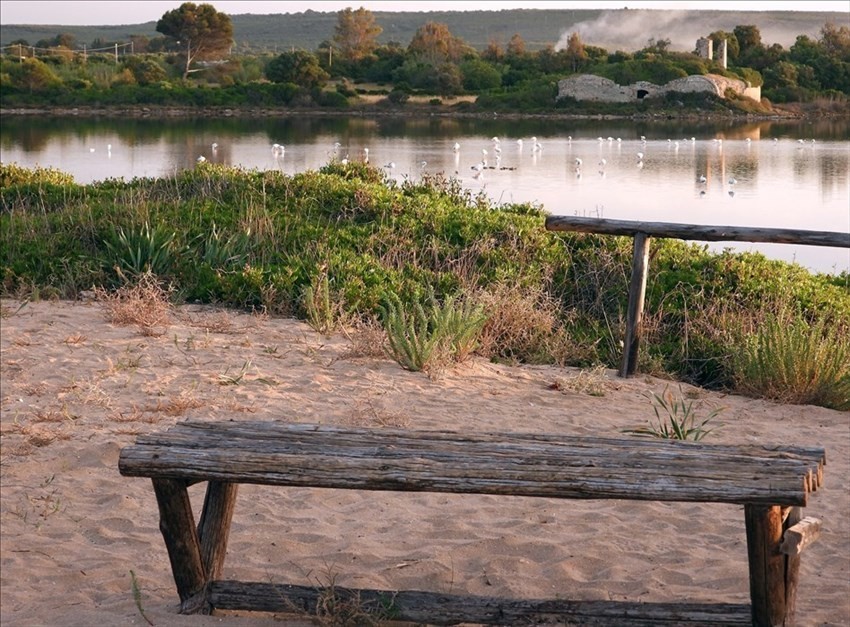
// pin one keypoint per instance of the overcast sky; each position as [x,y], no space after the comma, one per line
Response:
[69,13]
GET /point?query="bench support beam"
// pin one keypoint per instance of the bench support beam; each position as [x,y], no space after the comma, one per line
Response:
[214,527]
[177,524]
[434,608]
[774,576]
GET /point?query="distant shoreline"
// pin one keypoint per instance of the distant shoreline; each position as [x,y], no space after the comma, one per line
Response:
[377,111]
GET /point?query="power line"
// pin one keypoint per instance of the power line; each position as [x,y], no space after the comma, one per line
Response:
[35,49]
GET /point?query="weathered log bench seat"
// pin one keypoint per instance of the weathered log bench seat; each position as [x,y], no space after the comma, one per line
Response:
[771,482]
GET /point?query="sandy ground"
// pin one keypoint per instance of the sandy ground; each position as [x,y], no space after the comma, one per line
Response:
[75,533]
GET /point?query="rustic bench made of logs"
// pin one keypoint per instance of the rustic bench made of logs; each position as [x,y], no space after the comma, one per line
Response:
[771,482]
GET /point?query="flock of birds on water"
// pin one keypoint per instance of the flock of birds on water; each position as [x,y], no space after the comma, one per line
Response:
[491,156]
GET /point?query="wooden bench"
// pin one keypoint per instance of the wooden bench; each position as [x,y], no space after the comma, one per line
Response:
[771,482]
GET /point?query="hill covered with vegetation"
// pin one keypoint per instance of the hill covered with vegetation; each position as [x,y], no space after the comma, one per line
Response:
[619,29]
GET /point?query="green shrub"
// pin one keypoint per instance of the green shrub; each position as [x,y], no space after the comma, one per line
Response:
[793,361]
[333,99]
[411,337]
[142,249]
[676,419]
[257,240]
[461,321]
[322,313]
[427,336]
[398,96]
[12,174]
[219,250]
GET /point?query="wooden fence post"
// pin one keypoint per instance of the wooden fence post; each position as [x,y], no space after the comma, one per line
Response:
[642,231]
[637,291]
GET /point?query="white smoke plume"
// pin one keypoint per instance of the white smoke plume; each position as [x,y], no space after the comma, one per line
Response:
[629,30]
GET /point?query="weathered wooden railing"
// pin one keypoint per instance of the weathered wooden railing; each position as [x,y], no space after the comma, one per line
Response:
[642,231]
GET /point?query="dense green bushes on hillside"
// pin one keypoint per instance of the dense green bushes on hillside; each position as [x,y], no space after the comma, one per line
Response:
[259,239]
[440,64]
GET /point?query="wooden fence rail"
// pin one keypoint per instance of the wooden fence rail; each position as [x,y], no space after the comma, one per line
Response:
[642,231]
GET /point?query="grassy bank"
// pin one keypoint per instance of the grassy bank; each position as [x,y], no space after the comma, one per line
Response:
[439,273]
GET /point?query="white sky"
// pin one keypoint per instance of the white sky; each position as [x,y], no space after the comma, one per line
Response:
[90,13]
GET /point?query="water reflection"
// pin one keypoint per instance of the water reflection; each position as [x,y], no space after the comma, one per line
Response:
[768,174]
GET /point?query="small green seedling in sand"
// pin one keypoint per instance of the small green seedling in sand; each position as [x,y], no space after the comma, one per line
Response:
[677,419]
[236,379]
[137,597]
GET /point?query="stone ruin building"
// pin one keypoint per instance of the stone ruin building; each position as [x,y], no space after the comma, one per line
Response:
[588,87]
[705,51]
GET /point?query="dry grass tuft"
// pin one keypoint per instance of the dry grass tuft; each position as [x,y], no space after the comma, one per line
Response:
[134,415]
[234,405]
[38,436]
[338,606]
[90,393]
[365,413]
[522,324]
[35,389]
[215,322]
[145,303]
[593,382]
[51,415]
[368,339]
[179,405]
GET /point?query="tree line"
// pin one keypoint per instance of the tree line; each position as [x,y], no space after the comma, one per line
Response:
[192,63]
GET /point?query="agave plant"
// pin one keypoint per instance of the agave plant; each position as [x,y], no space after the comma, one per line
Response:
[412,339]
[143,249]
[418,335]
[322,312]
[677,419]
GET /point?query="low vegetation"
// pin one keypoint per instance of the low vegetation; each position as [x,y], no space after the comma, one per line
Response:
[436,268]
[431,335]
[787,357]
[676,419]
[191,64]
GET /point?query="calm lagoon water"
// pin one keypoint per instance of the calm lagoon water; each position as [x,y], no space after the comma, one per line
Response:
[768,174]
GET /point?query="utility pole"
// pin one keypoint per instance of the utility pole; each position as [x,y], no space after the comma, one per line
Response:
[330,55]
[116,53]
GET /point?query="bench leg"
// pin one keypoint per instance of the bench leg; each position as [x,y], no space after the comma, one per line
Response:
[177,524]
[773,575]
[792,569]
[214,527]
